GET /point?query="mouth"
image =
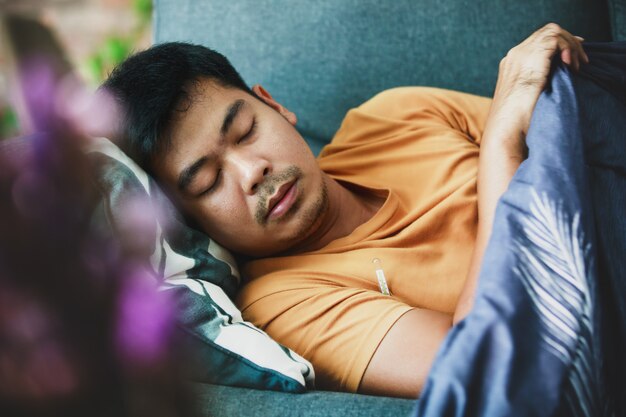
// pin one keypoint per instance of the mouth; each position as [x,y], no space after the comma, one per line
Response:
[282,200]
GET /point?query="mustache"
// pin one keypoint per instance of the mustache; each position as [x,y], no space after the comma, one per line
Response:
[268,187]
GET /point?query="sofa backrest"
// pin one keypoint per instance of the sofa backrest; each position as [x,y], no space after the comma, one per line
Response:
[320,58]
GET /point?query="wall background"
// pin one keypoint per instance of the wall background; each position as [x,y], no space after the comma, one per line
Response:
[97,34]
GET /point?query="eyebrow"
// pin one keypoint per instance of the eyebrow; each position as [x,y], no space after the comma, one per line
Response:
[188,174]
[186,177]
[232,112]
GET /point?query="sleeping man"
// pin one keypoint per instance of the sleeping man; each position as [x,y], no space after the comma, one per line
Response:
[363,258]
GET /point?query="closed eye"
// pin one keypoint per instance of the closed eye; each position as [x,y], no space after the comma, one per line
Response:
[249,134]
[214,186]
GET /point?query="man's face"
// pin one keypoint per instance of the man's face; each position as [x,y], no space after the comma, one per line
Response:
[238,167]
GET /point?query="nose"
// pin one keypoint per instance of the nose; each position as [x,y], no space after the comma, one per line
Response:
[251,170]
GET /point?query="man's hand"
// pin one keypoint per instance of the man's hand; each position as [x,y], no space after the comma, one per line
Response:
[524,72]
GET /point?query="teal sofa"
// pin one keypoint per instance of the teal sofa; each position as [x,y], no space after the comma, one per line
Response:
[321,57]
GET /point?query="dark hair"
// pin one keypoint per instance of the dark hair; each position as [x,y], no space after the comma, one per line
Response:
[150,85]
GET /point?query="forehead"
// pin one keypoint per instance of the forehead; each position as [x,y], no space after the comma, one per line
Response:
[202,108]
[194,124]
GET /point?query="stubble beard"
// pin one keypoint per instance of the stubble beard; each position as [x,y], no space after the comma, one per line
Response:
[312,216]
[308,219]
[267,189]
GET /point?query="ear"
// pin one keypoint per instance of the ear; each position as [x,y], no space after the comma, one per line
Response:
[269,100]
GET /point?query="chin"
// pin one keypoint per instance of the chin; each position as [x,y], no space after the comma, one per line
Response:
[291,235]
[310,219]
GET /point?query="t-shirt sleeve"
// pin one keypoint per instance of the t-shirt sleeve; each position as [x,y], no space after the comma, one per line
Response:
[405,108]
[337,328]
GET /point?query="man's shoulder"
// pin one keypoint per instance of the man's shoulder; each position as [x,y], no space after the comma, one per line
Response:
[397,99]
[384,115]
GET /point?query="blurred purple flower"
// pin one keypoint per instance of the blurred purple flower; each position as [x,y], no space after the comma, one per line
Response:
[136,225]
[93,114]
[39,82]
[81,332]
[34,362]
[145,320]
[32,194]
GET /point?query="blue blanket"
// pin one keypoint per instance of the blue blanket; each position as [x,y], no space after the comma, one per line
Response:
[547,334]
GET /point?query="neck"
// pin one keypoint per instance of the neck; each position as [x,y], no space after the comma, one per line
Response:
[347,210]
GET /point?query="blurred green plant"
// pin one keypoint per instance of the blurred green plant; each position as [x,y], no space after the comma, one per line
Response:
[9,126]
[115,48]
[143,8]
[99,64]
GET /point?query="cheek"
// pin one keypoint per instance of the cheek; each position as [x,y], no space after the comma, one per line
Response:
[226,218]
[295,152]
[285,140]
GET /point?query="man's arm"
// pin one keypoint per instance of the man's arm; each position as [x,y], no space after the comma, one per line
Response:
[402,361]
[522,76]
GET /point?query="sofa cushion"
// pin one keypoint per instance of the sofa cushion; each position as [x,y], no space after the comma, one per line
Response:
[321,59]
[617,12]
[220,401]
[202,275]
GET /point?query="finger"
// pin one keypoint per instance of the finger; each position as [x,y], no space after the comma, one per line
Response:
[571,51]
[544,33]
[570,59]
[568,56]
[576,43]
[582,49]
[583,54]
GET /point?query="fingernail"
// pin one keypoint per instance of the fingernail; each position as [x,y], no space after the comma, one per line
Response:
[580,38]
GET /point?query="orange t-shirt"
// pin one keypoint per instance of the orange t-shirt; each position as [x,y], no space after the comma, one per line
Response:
[418,147]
